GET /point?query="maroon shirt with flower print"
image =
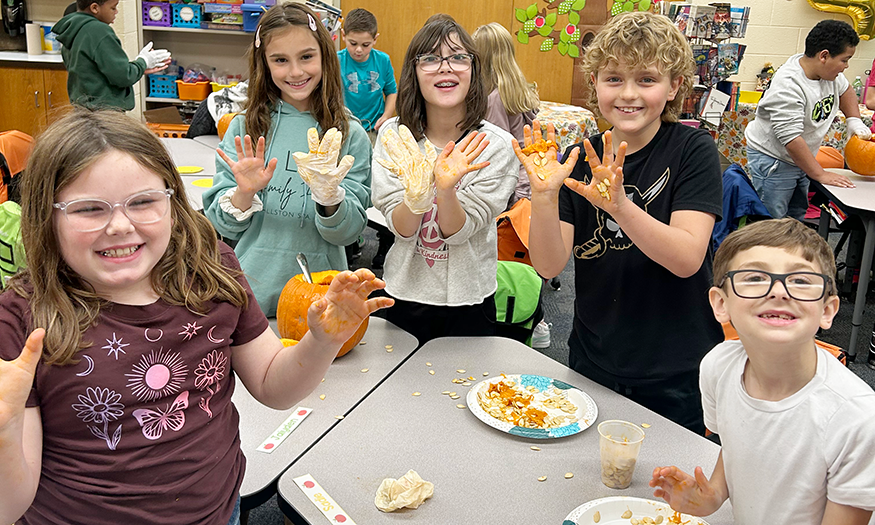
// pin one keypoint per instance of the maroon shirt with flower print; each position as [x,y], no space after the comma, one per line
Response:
[142,428]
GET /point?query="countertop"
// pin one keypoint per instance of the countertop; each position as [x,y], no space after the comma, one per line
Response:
[21,56]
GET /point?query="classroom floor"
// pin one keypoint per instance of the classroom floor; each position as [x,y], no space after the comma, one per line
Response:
[559,309]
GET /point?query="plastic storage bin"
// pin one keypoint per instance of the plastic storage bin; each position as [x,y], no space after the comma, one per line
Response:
[186,15]
[218,87]
[162,86]
[251,15]
[157,14]
[194,90]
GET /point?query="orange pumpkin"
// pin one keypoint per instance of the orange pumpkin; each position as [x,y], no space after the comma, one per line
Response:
[295,300]
[860,155]
[224,122]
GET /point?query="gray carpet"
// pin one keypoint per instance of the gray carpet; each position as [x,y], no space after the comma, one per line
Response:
[559,309]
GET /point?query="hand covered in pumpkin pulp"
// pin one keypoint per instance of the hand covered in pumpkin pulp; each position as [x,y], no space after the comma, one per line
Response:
[414,168]
[319,167]
[694,495]
[539,157]
[605,189]
[337,315]
[455,161]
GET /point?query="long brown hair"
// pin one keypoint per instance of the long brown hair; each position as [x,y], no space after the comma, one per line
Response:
[438,30]
[326,101]
[189,274]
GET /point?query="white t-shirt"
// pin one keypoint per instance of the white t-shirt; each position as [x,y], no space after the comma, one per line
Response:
[783,459]
[794,106]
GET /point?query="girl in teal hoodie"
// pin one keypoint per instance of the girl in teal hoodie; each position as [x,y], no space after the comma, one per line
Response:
[300,200]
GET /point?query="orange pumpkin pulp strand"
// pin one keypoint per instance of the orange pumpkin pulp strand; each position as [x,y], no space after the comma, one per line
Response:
[860,156]
[295,300]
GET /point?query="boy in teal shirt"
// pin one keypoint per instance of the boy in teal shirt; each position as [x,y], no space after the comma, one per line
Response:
[367,73]
[99,73]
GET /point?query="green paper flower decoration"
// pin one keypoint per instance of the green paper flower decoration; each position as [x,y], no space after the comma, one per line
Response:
[560,34]
[626,6]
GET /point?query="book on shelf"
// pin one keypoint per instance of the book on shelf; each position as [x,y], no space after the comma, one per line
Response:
[722,21]
[739,17]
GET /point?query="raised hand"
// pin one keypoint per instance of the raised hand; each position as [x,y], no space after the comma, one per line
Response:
[685,493]
[540,159]
[414,168]
[336,316]
[605,189]
[16,380]
[455,161]
[250,172]
[319,167]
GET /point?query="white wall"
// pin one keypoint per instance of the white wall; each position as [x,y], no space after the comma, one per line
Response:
[777,29]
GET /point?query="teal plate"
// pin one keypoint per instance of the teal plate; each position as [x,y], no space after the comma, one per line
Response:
[584,416]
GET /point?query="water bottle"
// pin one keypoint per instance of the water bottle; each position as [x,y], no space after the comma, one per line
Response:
[858,89]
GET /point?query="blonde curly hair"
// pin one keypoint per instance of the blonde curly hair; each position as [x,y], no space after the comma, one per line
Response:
[640,40]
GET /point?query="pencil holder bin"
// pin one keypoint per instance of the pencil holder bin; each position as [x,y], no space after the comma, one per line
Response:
[156,14]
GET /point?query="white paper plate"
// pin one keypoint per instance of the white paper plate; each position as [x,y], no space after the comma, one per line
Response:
[611,509]
[586,410]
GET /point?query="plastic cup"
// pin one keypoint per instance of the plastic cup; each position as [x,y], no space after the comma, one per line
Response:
[619,444]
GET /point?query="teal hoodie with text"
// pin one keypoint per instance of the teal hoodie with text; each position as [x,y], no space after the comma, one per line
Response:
[99,73]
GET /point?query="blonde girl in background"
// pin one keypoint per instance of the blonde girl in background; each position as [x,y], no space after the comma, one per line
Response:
[513,101]
[301,199]
[120,411]
[442,177]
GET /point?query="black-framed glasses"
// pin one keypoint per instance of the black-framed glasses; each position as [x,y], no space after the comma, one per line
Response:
[802,286]
[458,62]
[90,215]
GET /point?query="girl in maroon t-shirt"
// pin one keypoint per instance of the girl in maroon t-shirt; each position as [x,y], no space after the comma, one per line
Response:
[118,409]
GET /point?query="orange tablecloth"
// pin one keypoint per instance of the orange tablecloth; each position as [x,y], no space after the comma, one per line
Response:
[730,134]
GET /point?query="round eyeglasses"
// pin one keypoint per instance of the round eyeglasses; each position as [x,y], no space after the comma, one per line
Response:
[458,62]
[90,215]
[754,284]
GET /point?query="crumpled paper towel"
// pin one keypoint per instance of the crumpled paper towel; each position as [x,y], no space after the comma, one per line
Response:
[409,490]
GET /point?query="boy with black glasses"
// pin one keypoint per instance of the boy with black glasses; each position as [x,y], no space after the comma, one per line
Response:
[796,426]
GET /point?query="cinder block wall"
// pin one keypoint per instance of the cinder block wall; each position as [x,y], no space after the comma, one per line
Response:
[777,29]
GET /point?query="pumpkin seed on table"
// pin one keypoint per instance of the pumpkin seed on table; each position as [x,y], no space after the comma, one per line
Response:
[445,393]
[569,475]
[322,396]
[542,478]
[461,371]
[362,343]
[533,447]
[416,394]
[427,364]
[431,372]
[365,370]
[338,417]
[645,425]
[460,406]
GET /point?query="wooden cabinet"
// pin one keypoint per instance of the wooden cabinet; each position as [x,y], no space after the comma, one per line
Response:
[33,95]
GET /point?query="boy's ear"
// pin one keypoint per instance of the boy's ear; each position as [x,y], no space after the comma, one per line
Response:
[717,298]
[823,56]
[676,84]
[94,8]
[830,309]
[343,33]
[375,39]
